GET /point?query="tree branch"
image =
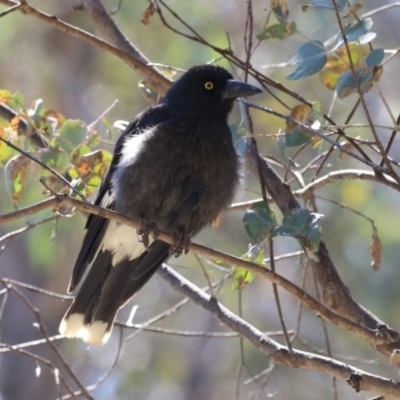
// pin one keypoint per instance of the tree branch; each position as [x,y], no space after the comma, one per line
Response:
[380,336]
[336,295]
[127,52]
[358,379]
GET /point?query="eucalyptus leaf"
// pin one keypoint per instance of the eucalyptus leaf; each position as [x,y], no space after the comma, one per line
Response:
[310,58]
[354,32]
[326,4]
[259,222]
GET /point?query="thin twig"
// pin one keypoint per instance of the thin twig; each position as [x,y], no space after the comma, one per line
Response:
[361,95]
[276,295]
[43,165]
[42,329]
[318,133]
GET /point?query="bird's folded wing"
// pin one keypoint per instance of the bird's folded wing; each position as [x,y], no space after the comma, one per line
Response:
[96,226]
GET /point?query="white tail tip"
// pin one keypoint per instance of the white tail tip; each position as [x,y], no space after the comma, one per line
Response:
[95,334]
[72,325]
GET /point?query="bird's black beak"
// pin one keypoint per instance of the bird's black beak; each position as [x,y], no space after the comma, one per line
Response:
[235,89]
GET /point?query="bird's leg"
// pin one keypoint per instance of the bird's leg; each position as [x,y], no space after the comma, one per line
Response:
[181,243]
[147,228]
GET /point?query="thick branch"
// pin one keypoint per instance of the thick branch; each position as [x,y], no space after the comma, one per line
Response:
[103,22]
[127,53]
[382,338]
[336,295]
[276,352]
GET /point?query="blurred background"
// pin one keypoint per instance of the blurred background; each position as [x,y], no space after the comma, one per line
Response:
[81,81]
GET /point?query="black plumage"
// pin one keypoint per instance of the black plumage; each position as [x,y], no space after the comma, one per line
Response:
[174,168]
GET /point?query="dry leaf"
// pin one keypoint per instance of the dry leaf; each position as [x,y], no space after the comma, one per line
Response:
[376,250]
[217,221]
[280,3]
[148,12]
[346,145]
[395,358]
[299,113]
[14,123]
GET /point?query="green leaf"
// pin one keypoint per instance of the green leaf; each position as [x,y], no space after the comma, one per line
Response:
[374,58]
[302,224]
[317,110]
[93,183]
[259,222]
[354,32]
[72,133]
[56,159]
[255,254]
[310,58]
[149,94]
[15,177]
[296,138]
[36,111]
[281,148]
[326,4]
[6,152]
[94,139]
[281,11]
[277,31]
[109,128]
[346,84]
[241,277]
[15,101]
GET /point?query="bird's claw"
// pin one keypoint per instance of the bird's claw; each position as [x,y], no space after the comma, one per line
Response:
[147,228]
[181,244]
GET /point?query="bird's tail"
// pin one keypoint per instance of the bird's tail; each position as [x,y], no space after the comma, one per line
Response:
[105,290]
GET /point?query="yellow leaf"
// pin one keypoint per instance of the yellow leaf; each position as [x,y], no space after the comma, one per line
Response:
[338,63]
[299,113]
[280,3]
[14,123]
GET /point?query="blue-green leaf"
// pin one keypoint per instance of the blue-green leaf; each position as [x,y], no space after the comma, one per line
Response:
[296,138]
[259,222]
[346,84]
[326,4]
[374,58]
[354,32]
[277,31]
[281,148]
[302,224]
[281,13]
[72,134]
[310,58]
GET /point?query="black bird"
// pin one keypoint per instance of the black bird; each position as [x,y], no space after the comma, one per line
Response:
[174,168]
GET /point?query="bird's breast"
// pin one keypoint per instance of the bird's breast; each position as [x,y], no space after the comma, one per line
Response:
[180,177]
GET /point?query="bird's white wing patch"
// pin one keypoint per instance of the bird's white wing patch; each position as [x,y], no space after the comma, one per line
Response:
[106,200]
[123,242]
[132,148]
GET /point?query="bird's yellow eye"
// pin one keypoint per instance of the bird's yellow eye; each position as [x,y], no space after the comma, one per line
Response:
[208,85]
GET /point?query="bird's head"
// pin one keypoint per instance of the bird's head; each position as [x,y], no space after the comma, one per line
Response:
[207,88]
